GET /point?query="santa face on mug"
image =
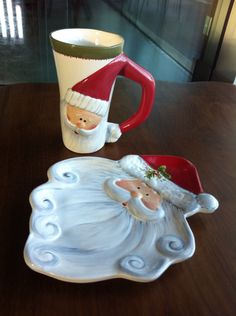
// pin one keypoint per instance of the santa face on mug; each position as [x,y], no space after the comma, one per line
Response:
[82,119]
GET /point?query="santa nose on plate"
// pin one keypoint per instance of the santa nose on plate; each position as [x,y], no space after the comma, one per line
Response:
[135,194]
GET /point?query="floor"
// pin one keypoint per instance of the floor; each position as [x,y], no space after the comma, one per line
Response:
[26,54]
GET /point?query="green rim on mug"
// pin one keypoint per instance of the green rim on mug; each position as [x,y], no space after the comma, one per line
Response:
[87,43]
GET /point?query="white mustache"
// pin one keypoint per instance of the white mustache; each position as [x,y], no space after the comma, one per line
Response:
[134,205]
[140,211]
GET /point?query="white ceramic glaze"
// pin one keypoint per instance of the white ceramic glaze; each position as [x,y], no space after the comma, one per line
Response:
[81,232]
[71,70]
[88,63]
[88,141]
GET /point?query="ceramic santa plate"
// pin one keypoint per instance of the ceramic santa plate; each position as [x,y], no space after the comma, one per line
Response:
[98,219]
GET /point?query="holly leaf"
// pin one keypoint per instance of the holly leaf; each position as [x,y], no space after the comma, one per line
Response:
[161,171]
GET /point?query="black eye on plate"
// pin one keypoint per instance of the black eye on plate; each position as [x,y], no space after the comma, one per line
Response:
[138,188]
[80,119]
[147,194]
[85,121]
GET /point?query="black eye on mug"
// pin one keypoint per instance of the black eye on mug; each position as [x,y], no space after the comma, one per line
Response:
[138,188]
[85,121]
[147,194]
[80,119]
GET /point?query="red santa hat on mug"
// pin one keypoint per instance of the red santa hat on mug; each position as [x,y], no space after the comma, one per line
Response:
[93,93]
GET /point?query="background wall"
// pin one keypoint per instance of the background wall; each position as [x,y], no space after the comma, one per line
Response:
[226,65]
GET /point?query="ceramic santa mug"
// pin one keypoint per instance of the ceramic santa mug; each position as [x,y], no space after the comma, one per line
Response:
[87,63]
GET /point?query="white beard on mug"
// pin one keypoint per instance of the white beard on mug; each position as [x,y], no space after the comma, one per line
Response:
[88,140]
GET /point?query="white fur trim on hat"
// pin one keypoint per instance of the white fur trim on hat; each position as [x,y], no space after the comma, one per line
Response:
[85,102]
[189,202]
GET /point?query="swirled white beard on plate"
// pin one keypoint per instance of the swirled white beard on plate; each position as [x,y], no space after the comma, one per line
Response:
[78,231]
[92,216]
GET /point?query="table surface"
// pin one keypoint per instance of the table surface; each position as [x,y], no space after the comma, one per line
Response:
[193,120]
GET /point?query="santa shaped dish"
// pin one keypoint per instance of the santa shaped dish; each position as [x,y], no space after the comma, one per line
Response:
[97,219]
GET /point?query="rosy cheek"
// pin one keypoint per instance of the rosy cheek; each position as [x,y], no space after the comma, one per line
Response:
[150,204]
[92,126]
[151,201]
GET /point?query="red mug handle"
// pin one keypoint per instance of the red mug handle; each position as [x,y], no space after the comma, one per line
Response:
[121,65]
[138,74]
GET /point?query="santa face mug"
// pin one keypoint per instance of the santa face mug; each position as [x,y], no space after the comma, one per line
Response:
[87,63]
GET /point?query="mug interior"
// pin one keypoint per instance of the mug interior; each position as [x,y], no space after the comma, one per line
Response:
[87,37]
[87,43]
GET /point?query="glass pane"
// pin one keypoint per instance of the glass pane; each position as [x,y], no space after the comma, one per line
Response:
[179,27]
[163,36]
[226,65]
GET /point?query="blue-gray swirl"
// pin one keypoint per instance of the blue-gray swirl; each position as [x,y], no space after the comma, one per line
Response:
[66,177]
[41,199]
[40,202]
[46,205]
[171,245]
[44,256]
[133,264]
[69,177]
[46,227]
